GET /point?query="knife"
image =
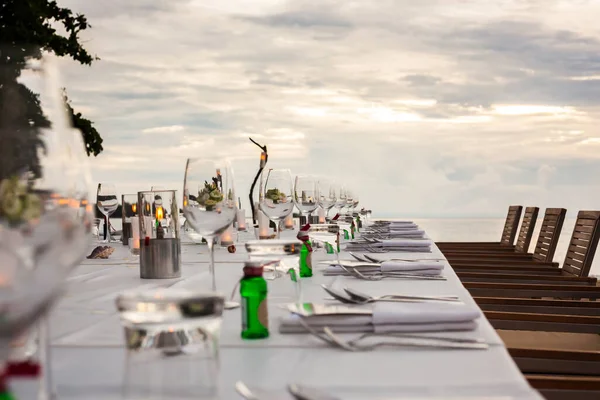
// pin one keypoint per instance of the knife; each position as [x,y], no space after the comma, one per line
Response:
[303,392]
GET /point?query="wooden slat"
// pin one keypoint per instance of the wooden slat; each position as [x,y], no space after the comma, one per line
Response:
[538,302]
[511,225]
[527,228]
[549,234]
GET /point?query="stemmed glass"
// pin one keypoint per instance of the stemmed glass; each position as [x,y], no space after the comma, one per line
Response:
[209,201]
[327,195]
[275,199]
[306,194]
[340,202]
[106,200]
[349,200]
[45,215]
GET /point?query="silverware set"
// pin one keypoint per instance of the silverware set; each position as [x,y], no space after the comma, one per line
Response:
[298,392]
[394,340]
[368,258]
[353,296]
[374,275]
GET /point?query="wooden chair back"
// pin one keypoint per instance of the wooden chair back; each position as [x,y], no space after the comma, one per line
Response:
[511,225]
[549,234]
[526,231]
[584,241]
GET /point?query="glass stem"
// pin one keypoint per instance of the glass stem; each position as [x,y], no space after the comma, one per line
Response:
[279,226]
[46,390]
[107,229]
[211,266]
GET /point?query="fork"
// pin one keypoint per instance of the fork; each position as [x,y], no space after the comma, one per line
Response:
[400,340]
[357,274]
[354,346]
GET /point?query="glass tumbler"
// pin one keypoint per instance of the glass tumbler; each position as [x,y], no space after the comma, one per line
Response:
[281,258]
[172,341]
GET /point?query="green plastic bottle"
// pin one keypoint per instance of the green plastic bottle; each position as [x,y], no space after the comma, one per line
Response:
[346,235]
[253,291]
[358,223]
[352,228]
[305,252]
[7,396]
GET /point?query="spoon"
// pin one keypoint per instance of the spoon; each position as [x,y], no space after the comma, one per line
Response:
[359,296]
[244,391]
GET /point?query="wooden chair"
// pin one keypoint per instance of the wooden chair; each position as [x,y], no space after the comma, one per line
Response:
[577,264]
[543,252]
[506,240]
[563,387]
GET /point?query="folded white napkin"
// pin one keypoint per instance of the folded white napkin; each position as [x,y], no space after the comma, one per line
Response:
[392,266]
[402,227]
[393,317]
[407,266]
[407,232]
[398,242]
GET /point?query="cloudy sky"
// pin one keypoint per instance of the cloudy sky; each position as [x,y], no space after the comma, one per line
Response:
[425,108]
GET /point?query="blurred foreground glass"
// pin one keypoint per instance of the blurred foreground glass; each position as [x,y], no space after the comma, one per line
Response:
[45,213]
[209,200]
[285,257]
[172,339]
[275,198]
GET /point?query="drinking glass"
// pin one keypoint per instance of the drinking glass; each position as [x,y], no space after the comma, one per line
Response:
[328,192]
[106,200]
[275,199]
[172,339]
[209,200]
[45,214]
[326,233]
[306,194]
[128,211]
[349,200]
[284,254]
[340,202]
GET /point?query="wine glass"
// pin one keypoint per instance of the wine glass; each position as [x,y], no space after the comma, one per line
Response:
[327,195]
[275,199]
[45,214]
[340,202]
[306,194]
[349,201]
[106,200]
[209,200]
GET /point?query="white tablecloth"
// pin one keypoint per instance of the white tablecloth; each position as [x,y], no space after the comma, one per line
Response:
[88,350]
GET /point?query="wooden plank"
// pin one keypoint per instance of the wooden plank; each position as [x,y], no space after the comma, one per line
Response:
[567,319]
[538,302]
[572,270]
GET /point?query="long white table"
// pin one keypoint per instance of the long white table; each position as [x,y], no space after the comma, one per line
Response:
[88,346]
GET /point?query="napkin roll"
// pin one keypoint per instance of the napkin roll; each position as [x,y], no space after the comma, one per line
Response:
[393,317]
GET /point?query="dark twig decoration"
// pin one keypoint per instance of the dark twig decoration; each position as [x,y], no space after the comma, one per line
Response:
[263,161]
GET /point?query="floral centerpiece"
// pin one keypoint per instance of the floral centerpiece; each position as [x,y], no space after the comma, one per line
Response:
[210,195]
[16,204]
[276,196]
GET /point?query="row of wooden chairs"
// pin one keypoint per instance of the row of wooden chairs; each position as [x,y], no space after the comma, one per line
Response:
[546,313]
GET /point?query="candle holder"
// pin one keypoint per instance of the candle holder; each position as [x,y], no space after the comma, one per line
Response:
[160,243]
[241,220]
[226,238]
[128,210]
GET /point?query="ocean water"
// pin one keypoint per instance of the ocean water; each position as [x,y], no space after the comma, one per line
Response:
[478,230]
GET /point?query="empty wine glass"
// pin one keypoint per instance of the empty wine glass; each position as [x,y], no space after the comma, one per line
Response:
[107,202]
[349,200]
[306,194]
[327,195]
[275,199]
[209,200]
[340,202]
[45,214]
